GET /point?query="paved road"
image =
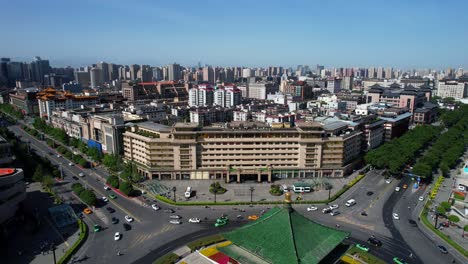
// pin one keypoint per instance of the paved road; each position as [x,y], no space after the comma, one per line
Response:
[152,235]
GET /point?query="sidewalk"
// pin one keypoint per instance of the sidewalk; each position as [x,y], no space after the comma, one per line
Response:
[29,246]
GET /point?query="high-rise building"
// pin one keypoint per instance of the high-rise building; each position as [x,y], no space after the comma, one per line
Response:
[145,74]
[389,73]
[113,71]
[371,74]
[83,78]
[229,75]
[157,74]
[134,69]
[201,95]
[247,73]
[39,68]
[380,73]
[319,68]
[208,75]
[174,72]
[96,78]
[333,85]
[104,67]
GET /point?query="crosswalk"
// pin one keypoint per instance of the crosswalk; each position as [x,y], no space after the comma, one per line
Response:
[145,237]
[355,223]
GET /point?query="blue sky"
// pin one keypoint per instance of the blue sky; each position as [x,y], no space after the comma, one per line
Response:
[401,33]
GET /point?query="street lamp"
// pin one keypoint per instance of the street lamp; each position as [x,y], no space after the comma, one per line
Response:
[174,189]
[252,189]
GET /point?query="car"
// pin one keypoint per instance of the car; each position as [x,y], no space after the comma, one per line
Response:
[335,213]
[461,188]
[421,198]
[155,207]
[75,178]
[58,156]
[364,213]
[326,210]
[442,249]
[397,189]
[334,206]
[396,216]
[412,222]
[369,193]
[398,261]
[169,211]
[388,181]
[87,211]
[221,222]
[175,222]
[128,218]
[253,217]
[194,220]
[96,228]
[127,227]
[110,210]
[405,186]
[312,208]
[106,188]
[117,236]
[374,241]
[362,247]
[112,196]
[115,220]
[70,164]
[81,174]
[51,153]
[175,217]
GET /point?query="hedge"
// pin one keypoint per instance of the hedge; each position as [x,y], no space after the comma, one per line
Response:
[333,198]
[368,258]
[206,241]
[169,258]
[81,239]
[423,217]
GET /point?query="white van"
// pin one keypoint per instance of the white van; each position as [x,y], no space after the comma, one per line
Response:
[188,192]
[350,202]
[300,189]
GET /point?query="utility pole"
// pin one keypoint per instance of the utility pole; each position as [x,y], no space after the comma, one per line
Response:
[252,189]
[53,252]
[174,189]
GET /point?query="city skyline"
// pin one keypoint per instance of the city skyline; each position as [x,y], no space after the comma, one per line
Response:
[397,34]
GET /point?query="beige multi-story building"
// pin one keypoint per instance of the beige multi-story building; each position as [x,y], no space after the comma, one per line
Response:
[454,89]
[241,151]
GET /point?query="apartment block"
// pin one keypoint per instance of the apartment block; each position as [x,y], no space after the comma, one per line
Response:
[454,89]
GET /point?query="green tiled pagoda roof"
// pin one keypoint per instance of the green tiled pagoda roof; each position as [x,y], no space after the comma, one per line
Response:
[281,236]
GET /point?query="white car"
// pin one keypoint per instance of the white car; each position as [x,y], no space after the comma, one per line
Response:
[175,217]
[105,199]
[461,188]
[334,206]
[106,188]
[175,222]
[155,207]
[128,218]
[397,189]
[312,208]
[396,216]
[81,174]
[388,181]
[58,156]
[421,198]
[194,220]
[117,236]
[70,164]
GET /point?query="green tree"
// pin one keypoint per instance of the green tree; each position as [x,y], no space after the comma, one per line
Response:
[441,210]
[94,154]
[112,162]
[126,188]
[48,181]
[38,173]
[446,206]
[465,229]
[113,181]
[83,163]
[88,197]
[454,218]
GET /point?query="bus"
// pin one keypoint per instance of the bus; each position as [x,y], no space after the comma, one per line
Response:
[188,192]
[301,187]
